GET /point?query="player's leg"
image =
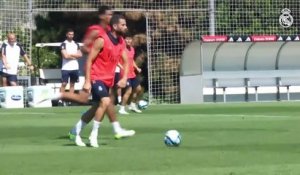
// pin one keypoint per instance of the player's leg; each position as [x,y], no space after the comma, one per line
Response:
[80,125]
[80,97]
[64,80]
[65,74]
[112,116]
[136,93]
[119,90]
[74,77]
[12,80]
[4,81]
[1,78]
[125,98]
[100,92]
[119,94]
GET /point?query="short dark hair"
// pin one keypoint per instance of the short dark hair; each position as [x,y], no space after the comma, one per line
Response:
[102,9]
[115,19]
[69,30]
[128,35]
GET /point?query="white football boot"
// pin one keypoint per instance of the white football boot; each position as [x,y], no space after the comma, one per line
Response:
[94,142]
[124,133]
[78,141]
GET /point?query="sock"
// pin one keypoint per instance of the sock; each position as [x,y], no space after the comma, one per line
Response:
[132,104]
[116,126]
[96,125]
[79,126]
[122,108]
[119,99]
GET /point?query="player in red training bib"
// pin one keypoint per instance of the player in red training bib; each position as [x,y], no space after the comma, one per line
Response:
[105,13]
[133,86]
[100,70]
[105,53]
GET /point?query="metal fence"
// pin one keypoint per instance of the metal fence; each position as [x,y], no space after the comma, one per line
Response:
[170,26]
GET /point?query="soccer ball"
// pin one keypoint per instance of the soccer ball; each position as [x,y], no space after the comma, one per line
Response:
[172,138]
[142,104]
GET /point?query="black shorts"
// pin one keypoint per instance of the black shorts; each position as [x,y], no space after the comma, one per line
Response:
[133,82]
[99,90]
[10,77]
[117,78]
[72,74]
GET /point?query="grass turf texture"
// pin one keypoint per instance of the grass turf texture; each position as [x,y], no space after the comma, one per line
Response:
[218,139]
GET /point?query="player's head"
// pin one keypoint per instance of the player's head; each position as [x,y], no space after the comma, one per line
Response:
[128,39]
[11,38]
[118,24]
[70,34]
[105,14]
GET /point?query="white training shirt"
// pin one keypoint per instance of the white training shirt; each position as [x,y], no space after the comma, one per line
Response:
[12,54]
[71,48]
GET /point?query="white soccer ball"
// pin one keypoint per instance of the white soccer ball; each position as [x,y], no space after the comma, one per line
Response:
[142,104]
[172,138]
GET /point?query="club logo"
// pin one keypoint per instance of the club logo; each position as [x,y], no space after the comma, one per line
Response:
[16,97]
[286,19]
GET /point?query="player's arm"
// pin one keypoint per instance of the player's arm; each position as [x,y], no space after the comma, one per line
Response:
[125,64]
[123,80]
[97,47]
[65,55]
[63,51]
[26,58]
[78,54]
[4,59]
[136,67]
[88,40]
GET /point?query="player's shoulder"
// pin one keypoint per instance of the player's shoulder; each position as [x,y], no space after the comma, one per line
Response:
[63,44]
[20,45]
[76,43]
[121,40]
[96,28]
[132,48]
[95,31]
[3,45]
[100,39]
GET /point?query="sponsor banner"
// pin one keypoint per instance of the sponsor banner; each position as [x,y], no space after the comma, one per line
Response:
[216,38]
[250,38]
[263,38]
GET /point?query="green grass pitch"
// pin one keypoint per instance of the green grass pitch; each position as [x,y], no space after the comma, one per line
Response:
[218,139]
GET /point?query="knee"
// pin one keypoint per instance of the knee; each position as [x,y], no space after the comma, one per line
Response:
[105,101]
[138,88]
[129,90]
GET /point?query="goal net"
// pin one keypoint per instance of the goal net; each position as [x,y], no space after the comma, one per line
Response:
[15,17]
[170,26]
